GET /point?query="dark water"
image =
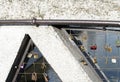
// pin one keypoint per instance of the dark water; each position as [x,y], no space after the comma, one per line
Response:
[111,70]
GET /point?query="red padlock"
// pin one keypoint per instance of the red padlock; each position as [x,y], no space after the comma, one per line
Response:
[93,47]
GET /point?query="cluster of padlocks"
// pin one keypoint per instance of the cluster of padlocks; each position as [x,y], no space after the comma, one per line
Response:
[106,47]
[93,47]
[35,74]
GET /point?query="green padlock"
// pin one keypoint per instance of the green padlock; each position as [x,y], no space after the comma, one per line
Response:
[118,43]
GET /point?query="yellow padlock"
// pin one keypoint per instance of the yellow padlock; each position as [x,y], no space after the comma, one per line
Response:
[94,60]
[82,47]
[35,56]
[83,61]
[109,49]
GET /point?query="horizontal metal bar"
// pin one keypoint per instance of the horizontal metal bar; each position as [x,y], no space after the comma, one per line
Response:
[60,22]
[93,28]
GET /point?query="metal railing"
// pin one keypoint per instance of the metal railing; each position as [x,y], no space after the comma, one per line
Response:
[35,21]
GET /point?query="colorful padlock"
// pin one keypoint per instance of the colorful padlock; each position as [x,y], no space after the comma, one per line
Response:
[117,43]
[93,47]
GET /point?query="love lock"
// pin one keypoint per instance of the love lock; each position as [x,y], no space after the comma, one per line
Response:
[94,60]
[45,77]
[83,61]
[82,48]
[93,47]
[113,60]
[29,55]
[108,48]
[117,43]
[43,66]
[34,76]
[35,56]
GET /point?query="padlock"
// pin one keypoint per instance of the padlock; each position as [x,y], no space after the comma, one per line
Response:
[94,60]
[84,62]
[35,56]
[43,66]
[45,77]
[93,47]
[117,43]
[108,48]
[82,47]
[29,55]
[34,76]
[113,60]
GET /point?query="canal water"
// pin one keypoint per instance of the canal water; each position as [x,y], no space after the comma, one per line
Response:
[109,61]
